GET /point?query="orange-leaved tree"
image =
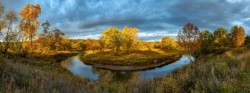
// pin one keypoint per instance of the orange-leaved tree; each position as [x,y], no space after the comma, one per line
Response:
[29,22]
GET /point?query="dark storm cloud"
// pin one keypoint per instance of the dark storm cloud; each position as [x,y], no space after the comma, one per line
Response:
[207,14]
[88,18]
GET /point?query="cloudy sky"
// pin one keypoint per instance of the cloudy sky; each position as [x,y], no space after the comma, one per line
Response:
[154,18]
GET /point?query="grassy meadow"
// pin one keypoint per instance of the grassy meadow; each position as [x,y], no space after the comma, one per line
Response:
[134,58]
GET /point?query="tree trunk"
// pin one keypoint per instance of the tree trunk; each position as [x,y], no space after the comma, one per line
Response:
[31,43]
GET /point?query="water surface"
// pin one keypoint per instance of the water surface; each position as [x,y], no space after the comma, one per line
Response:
[79,68]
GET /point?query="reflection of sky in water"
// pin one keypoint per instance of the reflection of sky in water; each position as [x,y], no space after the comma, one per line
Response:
[77,67]
[164,70]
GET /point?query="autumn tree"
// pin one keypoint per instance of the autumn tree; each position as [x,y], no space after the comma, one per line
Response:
[206,41]
[45,33]
[2,23]
[102,42]
[81,46]
[238,36]
[188,38]
[168,43]
[221,40]
[89,43]
[6,27]
[113,37]
[247,41]
[10,18]
[29,22]
[92,44]
[130,36]
[56,36]
[66,44]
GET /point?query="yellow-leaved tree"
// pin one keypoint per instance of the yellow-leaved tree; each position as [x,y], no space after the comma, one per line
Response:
[168,43]
[29,22]
[238,36]
[130,37]
[114,38]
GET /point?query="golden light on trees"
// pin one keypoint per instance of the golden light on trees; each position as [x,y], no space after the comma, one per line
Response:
[113,37]
[238,36]
[29,22]
[130,36]
[168,43]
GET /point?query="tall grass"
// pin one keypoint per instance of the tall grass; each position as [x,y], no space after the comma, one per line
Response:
[215,74]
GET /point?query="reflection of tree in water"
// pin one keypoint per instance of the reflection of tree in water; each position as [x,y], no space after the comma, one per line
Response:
[117,81]
[68,62]
[118,76]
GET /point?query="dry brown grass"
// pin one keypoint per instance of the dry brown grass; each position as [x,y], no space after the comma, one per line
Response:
[217,74]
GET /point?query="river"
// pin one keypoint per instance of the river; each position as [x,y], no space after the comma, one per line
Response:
[78,68]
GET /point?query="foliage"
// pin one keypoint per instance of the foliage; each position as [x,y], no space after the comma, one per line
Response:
[130,37]
[238,36]
[188,38]
[44,36]
[92,44]
[6,28]
[113,37]
[221,41]
[247,41]
[169,43]
[29,22]
[207,41]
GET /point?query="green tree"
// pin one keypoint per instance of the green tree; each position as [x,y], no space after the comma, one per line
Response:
[238,36]
[81,45]
[247,41]
[206,41]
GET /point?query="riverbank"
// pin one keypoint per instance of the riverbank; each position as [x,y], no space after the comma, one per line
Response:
[136,60]
[227,73]
[53,56]
[38,73]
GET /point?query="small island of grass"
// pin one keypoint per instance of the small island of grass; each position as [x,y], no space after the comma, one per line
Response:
[135,60]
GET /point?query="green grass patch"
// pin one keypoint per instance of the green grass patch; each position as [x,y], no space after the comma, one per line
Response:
[135,58]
